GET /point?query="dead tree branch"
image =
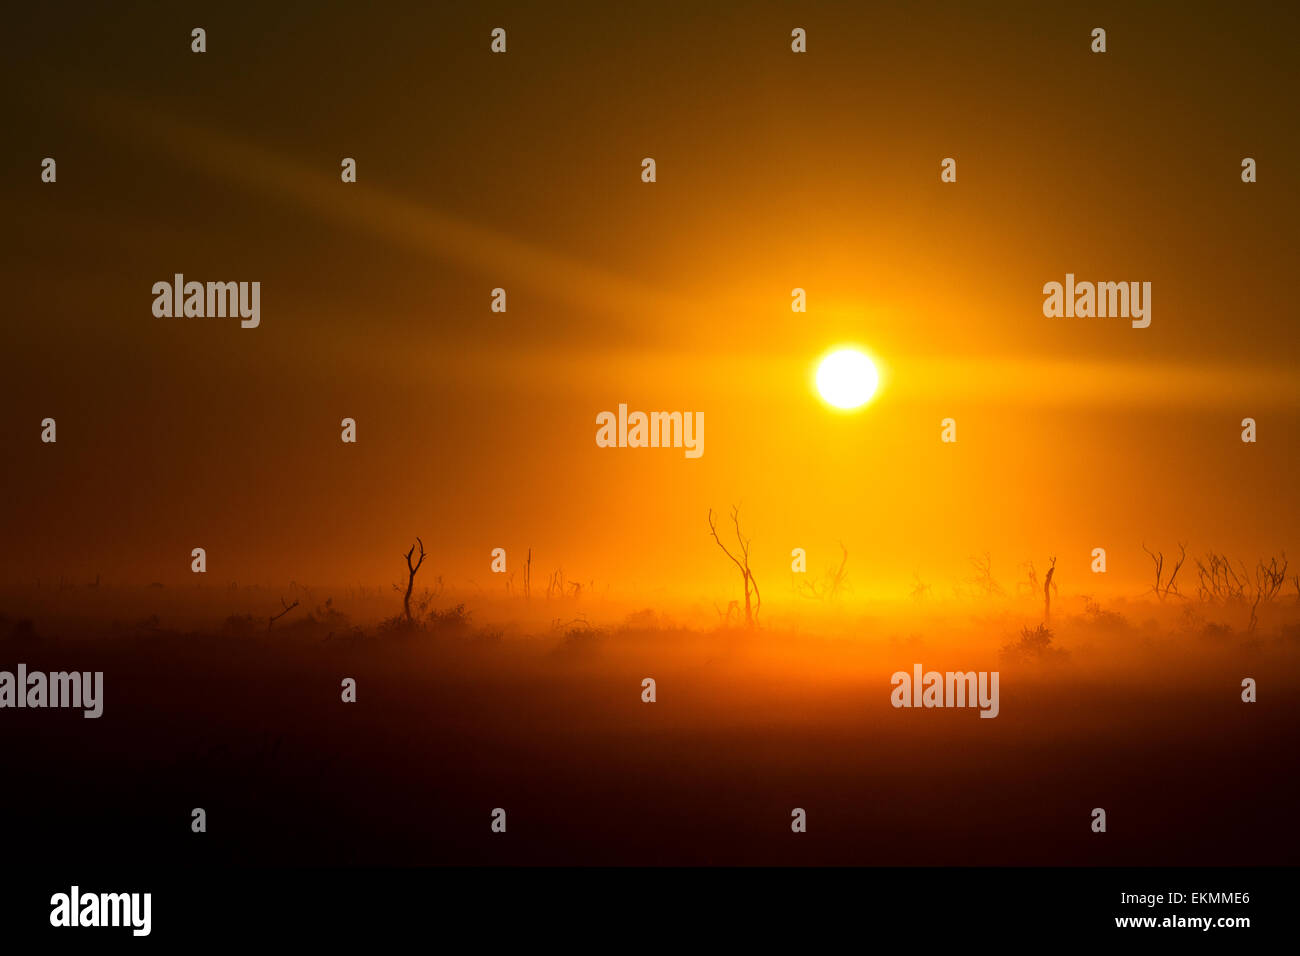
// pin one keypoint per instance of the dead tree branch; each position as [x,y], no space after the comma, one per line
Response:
[753,599]
[1269,579]
[832,583]
[410,581]
[984,576]
[276,617]
[1048,587]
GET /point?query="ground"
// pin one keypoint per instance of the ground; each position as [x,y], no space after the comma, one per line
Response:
[1139,713]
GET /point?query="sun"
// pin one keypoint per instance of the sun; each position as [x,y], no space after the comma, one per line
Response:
[847,378]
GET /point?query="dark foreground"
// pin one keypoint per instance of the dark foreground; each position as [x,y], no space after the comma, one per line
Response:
[452,723]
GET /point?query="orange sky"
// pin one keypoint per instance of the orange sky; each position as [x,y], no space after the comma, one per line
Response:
[476,430]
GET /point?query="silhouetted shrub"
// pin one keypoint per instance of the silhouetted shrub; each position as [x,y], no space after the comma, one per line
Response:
[397,627]
[21,631]
[451,622]
[1098,615]
[1213,631]
[1035,644]
[643,620]
[239,625]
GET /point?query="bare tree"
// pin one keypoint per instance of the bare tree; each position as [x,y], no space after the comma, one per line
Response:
[1048,587]
[555,586]
[287,608]
[1159,561]
[1028,587]
[1269,579]
[984,576]
[1163,588]
[1219,582]
[753,600]
[410,581]
[829,588]
[732,608]
[1171,586]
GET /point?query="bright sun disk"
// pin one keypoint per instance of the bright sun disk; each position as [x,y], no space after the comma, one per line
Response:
[847,378]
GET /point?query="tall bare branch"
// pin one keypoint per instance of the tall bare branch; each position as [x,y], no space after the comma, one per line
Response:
[753,599]
[410,581]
